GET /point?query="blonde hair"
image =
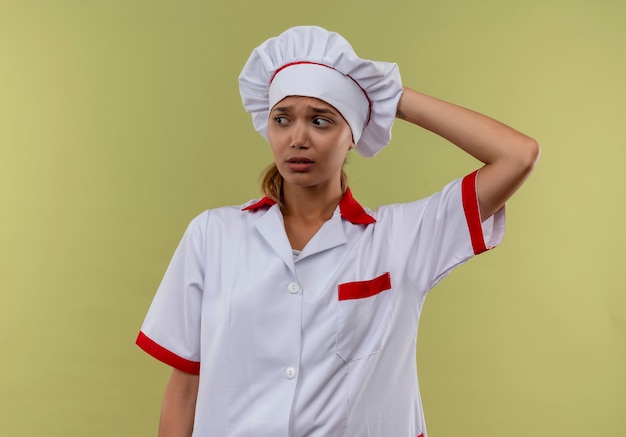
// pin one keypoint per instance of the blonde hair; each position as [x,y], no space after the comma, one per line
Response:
[272,184]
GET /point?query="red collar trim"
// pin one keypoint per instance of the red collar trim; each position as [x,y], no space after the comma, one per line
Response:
[349,209]
[266,201]
[352,211]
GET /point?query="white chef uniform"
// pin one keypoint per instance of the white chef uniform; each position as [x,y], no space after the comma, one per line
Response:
[320,345]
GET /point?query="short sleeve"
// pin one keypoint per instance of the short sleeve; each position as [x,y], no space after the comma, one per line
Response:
[171,329]
[433,235]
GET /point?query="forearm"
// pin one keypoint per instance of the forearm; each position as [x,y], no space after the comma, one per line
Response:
[508,155]
[482,137]
[179,404]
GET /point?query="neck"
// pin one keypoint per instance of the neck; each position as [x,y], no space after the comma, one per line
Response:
[311,203]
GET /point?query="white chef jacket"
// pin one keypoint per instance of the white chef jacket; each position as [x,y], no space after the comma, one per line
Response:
[322,344]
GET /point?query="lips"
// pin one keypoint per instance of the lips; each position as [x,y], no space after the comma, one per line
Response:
[300,164]
[300,160]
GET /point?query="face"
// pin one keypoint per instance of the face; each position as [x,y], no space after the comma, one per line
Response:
[310,140]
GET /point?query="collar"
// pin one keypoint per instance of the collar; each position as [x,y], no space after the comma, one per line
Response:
[349,209]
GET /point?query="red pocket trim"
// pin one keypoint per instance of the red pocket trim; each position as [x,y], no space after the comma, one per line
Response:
[362,289]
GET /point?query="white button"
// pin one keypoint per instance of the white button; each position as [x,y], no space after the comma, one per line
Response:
[293,287]
[290,373]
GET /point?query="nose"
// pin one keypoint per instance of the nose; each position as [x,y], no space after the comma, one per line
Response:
[299,136]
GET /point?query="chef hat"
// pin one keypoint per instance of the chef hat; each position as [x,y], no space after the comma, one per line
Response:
[313,62]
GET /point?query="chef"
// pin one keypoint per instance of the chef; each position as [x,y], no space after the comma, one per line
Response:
[296,314]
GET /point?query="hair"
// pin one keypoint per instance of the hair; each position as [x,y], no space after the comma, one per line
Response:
[272,184]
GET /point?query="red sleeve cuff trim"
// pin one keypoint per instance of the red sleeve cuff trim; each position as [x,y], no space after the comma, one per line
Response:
[166,356]
[472,212]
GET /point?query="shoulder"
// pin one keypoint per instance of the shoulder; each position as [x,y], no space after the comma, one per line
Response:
[222,214]
[231,211]
[449,194]
[217,225]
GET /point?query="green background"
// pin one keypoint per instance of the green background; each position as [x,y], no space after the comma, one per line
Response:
[120,120]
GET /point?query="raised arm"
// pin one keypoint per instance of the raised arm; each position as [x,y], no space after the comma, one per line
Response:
[509,156]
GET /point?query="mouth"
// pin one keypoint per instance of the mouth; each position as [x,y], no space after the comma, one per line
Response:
[299,160]
[300,164]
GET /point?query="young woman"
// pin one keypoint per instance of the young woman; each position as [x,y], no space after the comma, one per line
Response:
[297,314]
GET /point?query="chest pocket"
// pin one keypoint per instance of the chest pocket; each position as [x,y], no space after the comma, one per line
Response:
[363,315]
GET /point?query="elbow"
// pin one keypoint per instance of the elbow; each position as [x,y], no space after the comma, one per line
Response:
[529,152]
[534,151]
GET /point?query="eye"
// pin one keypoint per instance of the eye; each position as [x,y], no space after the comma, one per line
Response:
[322,122]
[281,119]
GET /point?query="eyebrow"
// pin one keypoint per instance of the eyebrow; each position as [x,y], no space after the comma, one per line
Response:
[321,110]
[312,108]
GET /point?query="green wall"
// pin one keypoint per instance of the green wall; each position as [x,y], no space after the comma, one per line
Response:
[120,120]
